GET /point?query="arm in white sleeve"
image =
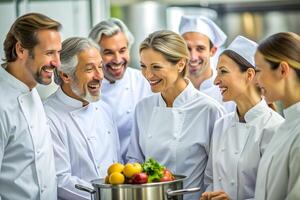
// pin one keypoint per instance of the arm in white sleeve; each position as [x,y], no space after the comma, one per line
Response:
[208,174]
[293,186]
[66,182]
[134,153]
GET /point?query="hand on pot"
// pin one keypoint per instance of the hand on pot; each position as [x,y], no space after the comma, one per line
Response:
[216,195]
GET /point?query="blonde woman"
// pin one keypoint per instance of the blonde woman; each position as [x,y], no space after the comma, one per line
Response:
[175,124]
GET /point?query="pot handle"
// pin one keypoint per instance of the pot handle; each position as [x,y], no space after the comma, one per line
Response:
[84,188]
[171,193]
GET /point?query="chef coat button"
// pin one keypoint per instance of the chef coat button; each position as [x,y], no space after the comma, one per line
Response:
[127,88]
[232,182]
[236,152]
[179,112]
[223,149]
[220,178]
[127,111]
[38,151]
[96,108]
[108,132]
[31,126]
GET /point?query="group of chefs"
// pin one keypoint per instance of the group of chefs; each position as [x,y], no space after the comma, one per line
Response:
[213,124]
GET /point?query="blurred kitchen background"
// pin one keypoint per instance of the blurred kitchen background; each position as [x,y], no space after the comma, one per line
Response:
[255,19]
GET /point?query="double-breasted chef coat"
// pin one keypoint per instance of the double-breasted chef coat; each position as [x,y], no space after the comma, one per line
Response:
[85,142]
[279,169]
[122,97]
[27,168]
[177,137]
[236,150]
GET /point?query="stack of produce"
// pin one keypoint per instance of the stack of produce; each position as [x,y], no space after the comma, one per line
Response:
[135,173]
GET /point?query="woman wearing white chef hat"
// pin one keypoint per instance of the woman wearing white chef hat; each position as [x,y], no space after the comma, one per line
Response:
[240,138]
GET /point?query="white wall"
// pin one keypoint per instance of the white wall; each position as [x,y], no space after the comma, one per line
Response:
[73,15]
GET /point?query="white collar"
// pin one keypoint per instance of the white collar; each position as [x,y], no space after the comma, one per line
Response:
[13,81]
[69,101]
[254,112]
[208,82]
[292,112]
[182,98]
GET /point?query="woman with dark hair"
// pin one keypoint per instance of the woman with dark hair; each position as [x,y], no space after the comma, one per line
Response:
[278,74]
[239,138]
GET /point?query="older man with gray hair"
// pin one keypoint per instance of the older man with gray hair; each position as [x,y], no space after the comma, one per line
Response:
[123,86]
[84,134]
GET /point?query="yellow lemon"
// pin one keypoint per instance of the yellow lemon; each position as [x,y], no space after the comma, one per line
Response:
[116,167]
[131,169]
[116,178]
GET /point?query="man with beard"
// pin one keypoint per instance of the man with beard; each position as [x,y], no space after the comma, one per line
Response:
[123,86]
[84,134]
[203,38]
[31,48]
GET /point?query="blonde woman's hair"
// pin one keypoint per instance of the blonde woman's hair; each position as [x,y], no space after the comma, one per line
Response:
[284,46]
[171,45]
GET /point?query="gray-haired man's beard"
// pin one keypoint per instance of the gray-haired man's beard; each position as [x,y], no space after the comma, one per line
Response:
[86,95]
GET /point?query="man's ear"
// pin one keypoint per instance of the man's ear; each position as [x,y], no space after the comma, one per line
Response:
[20,51]
[283,69]
[65,77]
[213,51]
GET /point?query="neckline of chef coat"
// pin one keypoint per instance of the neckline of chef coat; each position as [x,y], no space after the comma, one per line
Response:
[182,98]
[13,81]
[208,82]
[292,112]
[68,100]
[254,112]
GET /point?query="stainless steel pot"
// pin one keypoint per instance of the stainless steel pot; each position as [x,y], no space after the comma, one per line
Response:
[149,191]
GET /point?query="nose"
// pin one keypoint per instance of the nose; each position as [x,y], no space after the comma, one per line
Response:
[99,73]
[217,80]
[117,57]
[193,55]
[56,60]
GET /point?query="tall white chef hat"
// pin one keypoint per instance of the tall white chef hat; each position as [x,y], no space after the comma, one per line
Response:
[204,25]
[244,47]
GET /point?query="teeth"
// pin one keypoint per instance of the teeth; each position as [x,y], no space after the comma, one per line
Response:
[223,90]
[153,82]
[116,66]
[48,70]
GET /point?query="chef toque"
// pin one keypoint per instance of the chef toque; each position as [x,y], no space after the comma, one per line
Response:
[203,25]
[244,47]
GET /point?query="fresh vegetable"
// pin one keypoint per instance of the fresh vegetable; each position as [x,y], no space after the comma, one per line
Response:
[153,169]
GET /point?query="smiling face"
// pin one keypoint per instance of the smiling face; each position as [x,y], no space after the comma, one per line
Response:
[267,79]
[115,54]
[200,53]
[88,76]
[162,75]
[231,81]
[44,57]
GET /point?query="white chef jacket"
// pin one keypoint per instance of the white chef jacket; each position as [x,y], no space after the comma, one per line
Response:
[85,141]
[176,137]
[236,150]
[26,153]
[278,175]
[122,97]
[208,87]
